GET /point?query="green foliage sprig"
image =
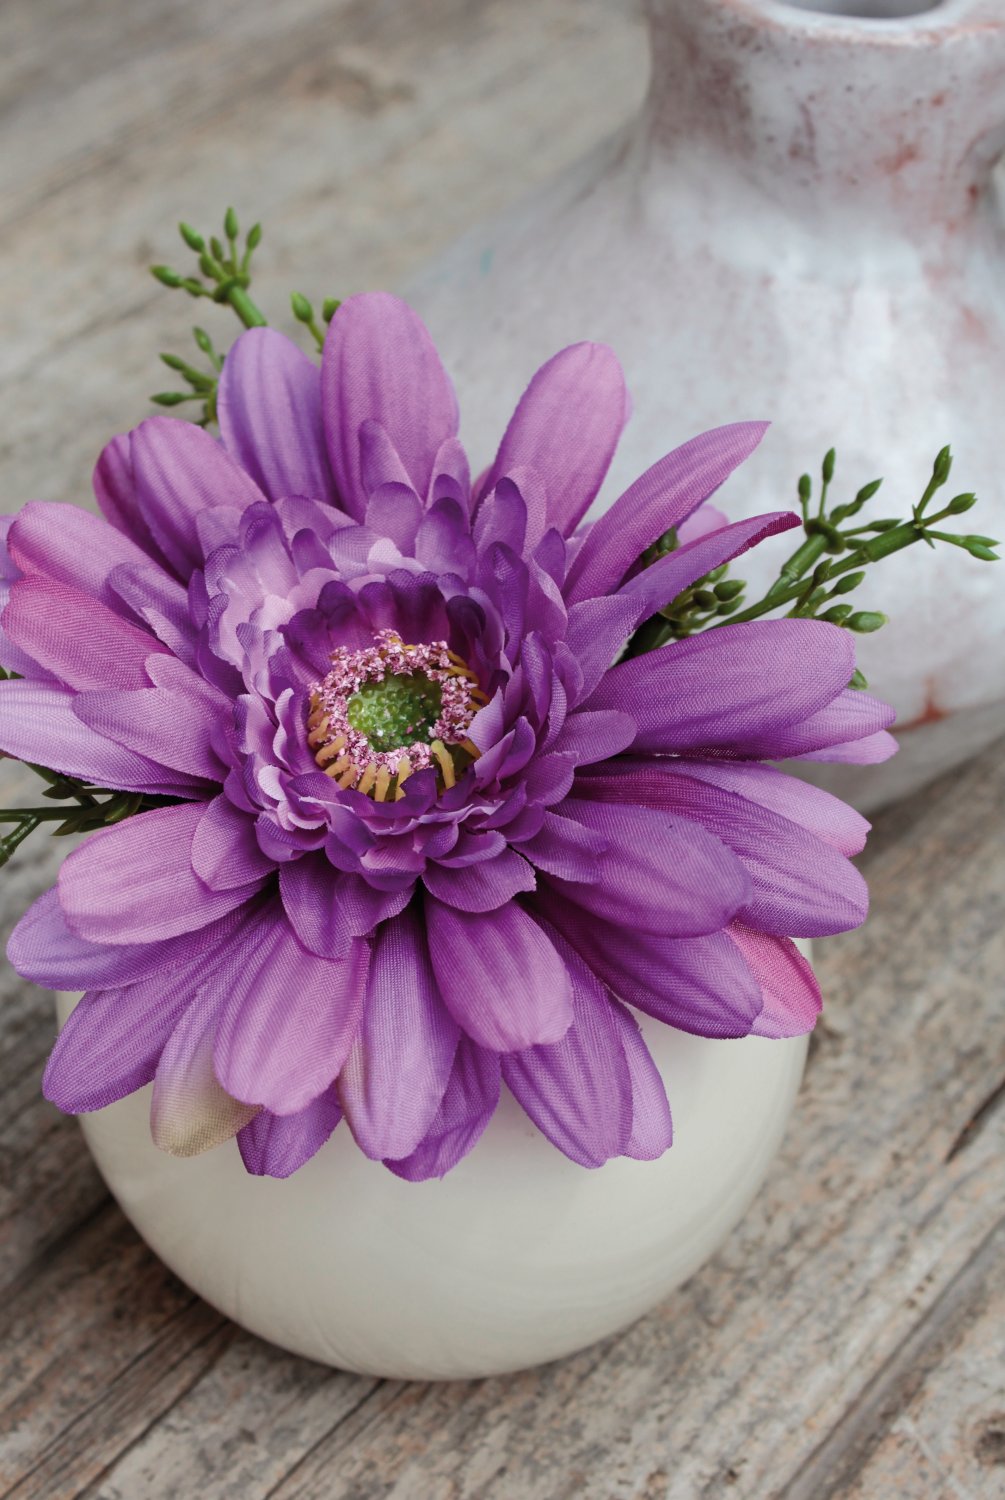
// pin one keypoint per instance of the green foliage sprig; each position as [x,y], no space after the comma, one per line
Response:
[225,278]
[831,562]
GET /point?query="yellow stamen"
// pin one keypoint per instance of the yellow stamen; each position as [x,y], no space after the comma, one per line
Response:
[329,752]
[367,780]
[383,782]
[338,767]
[442,754]
[346,781]
[478,696]
[471,748]
[404,772]
[317,734]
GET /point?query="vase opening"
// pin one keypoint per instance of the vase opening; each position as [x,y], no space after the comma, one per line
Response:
[867,10]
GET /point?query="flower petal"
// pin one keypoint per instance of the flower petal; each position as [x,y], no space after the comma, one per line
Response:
[269,405]
[289,1018]
[578,1090]
[801,887]
[113,1039]
[189,1112]
[659,584]
[832,732]
[817,811]
[71,546]
[738,686]
[181,471]
[43,949]
[225,851]
[652,1128]
[788,985]
[662,498]
[134,883]
[397,1072]
[38,723]
[466,1108]
[85,644]
[380,364]
[279,1145]
[659,873]
[566,428]
[482,887]
[499,975]
[700,985]
[328,910]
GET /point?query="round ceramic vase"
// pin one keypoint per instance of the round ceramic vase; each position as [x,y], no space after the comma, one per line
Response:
[517,1257]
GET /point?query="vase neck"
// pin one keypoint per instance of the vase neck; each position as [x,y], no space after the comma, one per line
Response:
[824,107]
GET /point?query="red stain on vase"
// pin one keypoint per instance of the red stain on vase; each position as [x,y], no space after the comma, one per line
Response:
[930,714]
[899,159]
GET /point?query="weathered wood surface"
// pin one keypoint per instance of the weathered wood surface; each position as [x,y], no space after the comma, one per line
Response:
[848,1340]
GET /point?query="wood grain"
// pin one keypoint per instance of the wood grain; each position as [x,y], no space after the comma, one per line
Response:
[847,1341]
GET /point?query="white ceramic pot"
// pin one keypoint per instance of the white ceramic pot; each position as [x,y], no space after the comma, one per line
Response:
[803,224]
[517,1257]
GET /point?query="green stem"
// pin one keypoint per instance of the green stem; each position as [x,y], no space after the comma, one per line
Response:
[874,550]
[250,315]
[37,814]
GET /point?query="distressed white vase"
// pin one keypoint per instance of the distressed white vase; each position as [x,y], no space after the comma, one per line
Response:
[517,1257]
[803,224]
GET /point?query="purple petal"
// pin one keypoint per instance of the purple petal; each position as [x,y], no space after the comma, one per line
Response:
[380,365]
[115,491]
[112,1041]
[578,1090]
[71,546]
[659,873]
[700,985]
[848,719]
[289,1018]
[652,1128]
[788,985]
[736,686]
[225,851]
[161,603]
[591,737]
[659,584]
[499,975]
[161,725]
[81,641]
[397,1072]
[269,405]
[134,883]
[180,471]
[466,1108]
[597,632]
[328,910]
[190,1112]
[812,808]
[701,522]
[38,723]
[482,887]
[801,887]
[43,949]
[279,1145]
[566,428]
[871,750]
[663,497]
[564,848]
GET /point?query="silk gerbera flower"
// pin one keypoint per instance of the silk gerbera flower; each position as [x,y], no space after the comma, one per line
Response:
[420,833]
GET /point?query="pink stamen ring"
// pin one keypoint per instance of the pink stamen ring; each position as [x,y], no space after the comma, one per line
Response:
[389,709]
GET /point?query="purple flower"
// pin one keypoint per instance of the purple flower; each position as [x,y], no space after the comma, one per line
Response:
[419,836]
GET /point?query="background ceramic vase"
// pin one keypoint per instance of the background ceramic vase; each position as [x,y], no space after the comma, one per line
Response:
[803,224]
[518,1256]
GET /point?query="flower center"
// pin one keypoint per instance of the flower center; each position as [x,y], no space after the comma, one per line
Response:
[387,710]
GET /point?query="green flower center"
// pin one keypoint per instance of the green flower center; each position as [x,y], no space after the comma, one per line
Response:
[396,712]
